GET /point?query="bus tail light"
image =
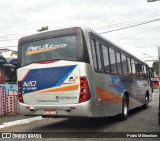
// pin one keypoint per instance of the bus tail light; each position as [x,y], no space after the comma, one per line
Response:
[84,90]
[20,97]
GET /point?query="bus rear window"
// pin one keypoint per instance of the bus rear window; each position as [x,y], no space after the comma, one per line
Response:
[59,48]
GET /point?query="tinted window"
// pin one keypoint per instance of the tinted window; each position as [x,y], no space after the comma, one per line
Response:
[139,70]
[119,66]
[133,68]
[99,56]
[49,49]
[124,65]
[129,66]
[144,71]
[94,53]
[113,61]
[106,58]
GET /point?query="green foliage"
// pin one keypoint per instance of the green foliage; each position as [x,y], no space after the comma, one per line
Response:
[42,29]
[13,53]
[155,67]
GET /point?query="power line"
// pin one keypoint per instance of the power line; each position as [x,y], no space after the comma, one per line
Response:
[134,17]
[126,37]
[111,22]
[136,24]
[98,24]
[124,23]
[146,22]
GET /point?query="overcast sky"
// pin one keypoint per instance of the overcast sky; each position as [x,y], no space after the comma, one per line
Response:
[19,18]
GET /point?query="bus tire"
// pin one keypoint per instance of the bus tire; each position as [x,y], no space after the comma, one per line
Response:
[145,106]
[124,114]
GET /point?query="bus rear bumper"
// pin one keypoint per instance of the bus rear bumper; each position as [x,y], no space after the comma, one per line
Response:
[84,109]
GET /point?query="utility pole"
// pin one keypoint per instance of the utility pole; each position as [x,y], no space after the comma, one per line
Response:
[159,84]
[159,71]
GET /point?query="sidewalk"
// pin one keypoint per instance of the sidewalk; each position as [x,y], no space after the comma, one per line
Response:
[10,118]
[155,91]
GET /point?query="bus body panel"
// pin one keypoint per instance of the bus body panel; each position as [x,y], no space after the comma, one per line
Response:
[110,90]
[48,84]
[61,101]
[65,110]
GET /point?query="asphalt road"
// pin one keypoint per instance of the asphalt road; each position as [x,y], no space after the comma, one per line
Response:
[139,120]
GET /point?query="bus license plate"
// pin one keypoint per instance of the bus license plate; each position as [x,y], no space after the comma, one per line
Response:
[50,112]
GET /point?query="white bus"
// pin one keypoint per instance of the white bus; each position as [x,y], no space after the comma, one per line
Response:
[75,72]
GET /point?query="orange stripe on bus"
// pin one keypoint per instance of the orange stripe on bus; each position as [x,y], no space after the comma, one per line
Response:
[38,51]
[107,96]
[67,88]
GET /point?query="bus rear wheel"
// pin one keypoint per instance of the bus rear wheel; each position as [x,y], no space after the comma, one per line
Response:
[124,114]
[145,106]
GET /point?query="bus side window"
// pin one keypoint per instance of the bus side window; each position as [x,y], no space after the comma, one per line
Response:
[129,67]
[98,49]
[137,71]
[94,53]
[141,71]
[119,66]
[113,61]
[133,69]
[144,72]
[124,65]
[105,58]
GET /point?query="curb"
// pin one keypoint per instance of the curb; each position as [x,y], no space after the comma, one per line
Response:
[18,122]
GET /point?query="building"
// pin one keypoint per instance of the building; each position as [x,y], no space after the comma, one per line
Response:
[8,87]
[2,101]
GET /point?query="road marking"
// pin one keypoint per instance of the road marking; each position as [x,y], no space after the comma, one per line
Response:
[18,122]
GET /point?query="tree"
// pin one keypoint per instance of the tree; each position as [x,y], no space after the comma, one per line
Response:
[13,53]
[155,67]
[42,29]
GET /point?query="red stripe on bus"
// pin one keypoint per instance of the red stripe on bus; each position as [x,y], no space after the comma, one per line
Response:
[25,75]
[47,62]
